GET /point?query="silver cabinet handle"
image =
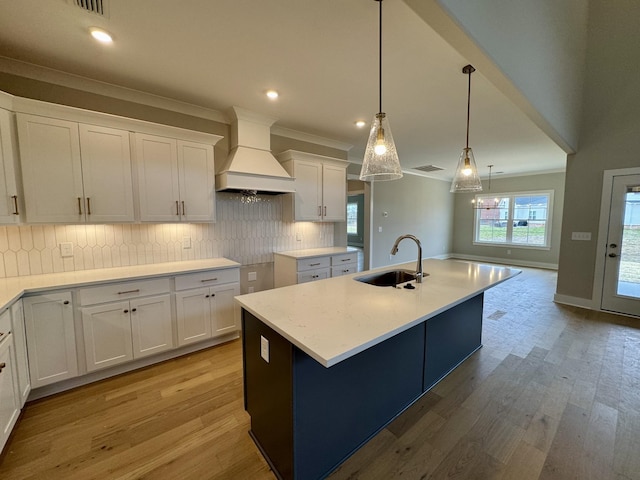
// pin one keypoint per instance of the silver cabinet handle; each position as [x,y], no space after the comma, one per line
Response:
[319,210]
[209,280]
[345,260]
[325,211]
[15,204]
[129,291]
[79,206]
[314,264]
[88,206]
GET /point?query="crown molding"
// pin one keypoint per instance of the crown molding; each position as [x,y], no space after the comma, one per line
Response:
[308,137]
[57,77]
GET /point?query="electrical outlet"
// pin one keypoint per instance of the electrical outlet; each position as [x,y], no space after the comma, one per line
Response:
[66,249]
[264,348]
[584,236]
[379,229]
[186,242]
[298,237]
[252,276]
[250,290]
[508,252]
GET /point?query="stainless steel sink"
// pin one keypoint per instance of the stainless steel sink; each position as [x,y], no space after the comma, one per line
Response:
[390,278]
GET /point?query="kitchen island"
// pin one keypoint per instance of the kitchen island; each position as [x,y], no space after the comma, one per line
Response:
[328,364]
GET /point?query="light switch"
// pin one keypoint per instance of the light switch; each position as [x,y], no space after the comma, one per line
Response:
[264,348]
[584,236]
[66,249]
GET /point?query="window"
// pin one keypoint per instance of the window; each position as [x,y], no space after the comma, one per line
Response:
[352,218]
[517,219]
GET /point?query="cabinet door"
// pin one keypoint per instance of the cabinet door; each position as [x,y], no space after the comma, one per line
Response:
[193,315]
[9,212]
[197,183]
[20,344]
[106,174]
[107,335]
[51,169]
[157,170]
[334,193]
[9,403]
[51,342]
[151,325]
[308,196]
[225,315]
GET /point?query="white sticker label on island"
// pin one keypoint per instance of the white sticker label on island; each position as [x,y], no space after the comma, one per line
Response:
[264,348]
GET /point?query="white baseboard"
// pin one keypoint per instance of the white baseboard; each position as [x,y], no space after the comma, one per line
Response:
[574,301]
[504,261]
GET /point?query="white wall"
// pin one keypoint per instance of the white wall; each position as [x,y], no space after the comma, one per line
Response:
[414,204]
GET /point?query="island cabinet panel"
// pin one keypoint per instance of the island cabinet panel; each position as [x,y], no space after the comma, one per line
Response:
[451,337]
[307,419]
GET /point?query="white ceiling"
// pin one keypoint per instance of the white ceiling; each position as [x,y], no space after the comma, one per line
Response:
[322,56]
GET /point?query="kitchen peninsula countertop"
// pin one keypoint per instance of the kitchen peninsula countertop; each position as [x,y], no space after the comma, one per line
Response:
[13,288]
[316,252]
[334,319]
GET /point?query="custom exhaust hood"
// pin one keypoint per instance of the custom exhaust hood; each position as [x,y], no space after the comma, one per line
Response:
[250,166]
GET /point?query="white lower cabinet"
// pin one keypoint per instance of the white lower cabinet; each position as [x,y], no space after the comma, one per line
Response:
[205,313]
[51,342]
[118,332]
[208,311]
[295,267]
[9,396]
[20,343]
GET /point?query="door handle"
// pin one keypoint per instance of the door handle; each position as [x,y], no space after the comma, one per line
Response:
[613,255]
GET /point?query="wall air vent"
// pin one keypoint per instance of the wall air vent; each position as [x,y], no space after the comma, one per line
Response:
[429,168]
[99,7]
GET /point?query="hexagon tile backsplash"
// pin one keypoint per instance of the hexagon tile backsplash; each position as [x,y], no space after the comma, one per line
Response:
[246,233]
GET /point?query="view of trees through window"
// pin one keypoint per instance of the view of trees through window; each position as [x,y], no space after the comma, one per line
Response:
[514,219]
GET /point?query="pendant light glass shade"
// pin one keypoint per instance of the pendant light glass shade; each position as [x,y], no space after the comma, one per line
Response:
[380,158]
[467,178]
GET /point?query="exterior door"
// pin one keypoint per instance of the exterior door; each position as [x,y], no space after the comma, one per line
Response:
[355,220]
[621,287]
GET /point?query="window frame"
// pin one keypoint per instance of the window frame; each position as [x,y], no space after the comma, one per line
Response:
[489,197]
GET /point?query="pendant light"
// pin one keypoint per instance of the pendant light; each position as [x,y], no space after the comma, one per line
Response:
[467,178]
[380,157]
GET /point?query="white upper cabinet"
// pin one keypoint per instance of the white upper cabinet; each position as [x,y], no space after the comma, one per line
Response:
[106,174]
[321,187]
[9,199]
[74,173]
[175,179]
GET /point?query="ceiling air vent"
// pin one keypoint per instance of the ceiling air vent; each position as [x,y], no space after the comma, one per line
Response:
[429,168]
[99,7]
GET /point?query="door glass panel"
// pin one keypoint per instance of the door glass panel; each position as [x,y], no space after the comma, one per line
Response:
[629,273]
[352,218]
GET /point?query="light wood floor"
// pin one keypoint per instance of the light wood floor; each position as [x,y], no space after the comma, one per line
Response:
[553,394]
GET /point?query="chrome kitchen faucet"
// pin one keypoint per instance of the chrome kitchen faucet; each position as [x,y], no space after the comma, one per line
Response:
[394,250]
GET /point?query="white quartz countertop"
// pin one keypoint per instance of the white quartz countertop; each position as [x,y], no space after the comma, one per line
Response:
[12,288]
[334,319]
[316,252]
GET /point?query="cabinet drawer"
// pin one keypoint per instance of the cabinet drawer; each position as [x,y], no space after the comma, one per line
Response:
[313,263]
[207,279]
[313,275]
[337,260]
[344,270]
[123,291]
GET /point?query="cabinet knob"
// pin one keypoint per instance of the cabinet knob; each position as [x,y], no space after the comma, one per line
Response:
[213,294]
[2,365]
[134,309]
[126,311]
[66,302]
[206,296]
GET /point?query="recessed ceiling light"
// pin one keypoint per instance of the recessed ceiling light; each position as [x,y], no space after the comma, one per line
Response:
[101,35]
[360,123]
[272,94]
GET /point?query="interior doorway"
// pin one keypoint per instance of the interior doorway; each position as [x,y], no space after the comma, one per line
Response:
[355,220]
[619,243]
